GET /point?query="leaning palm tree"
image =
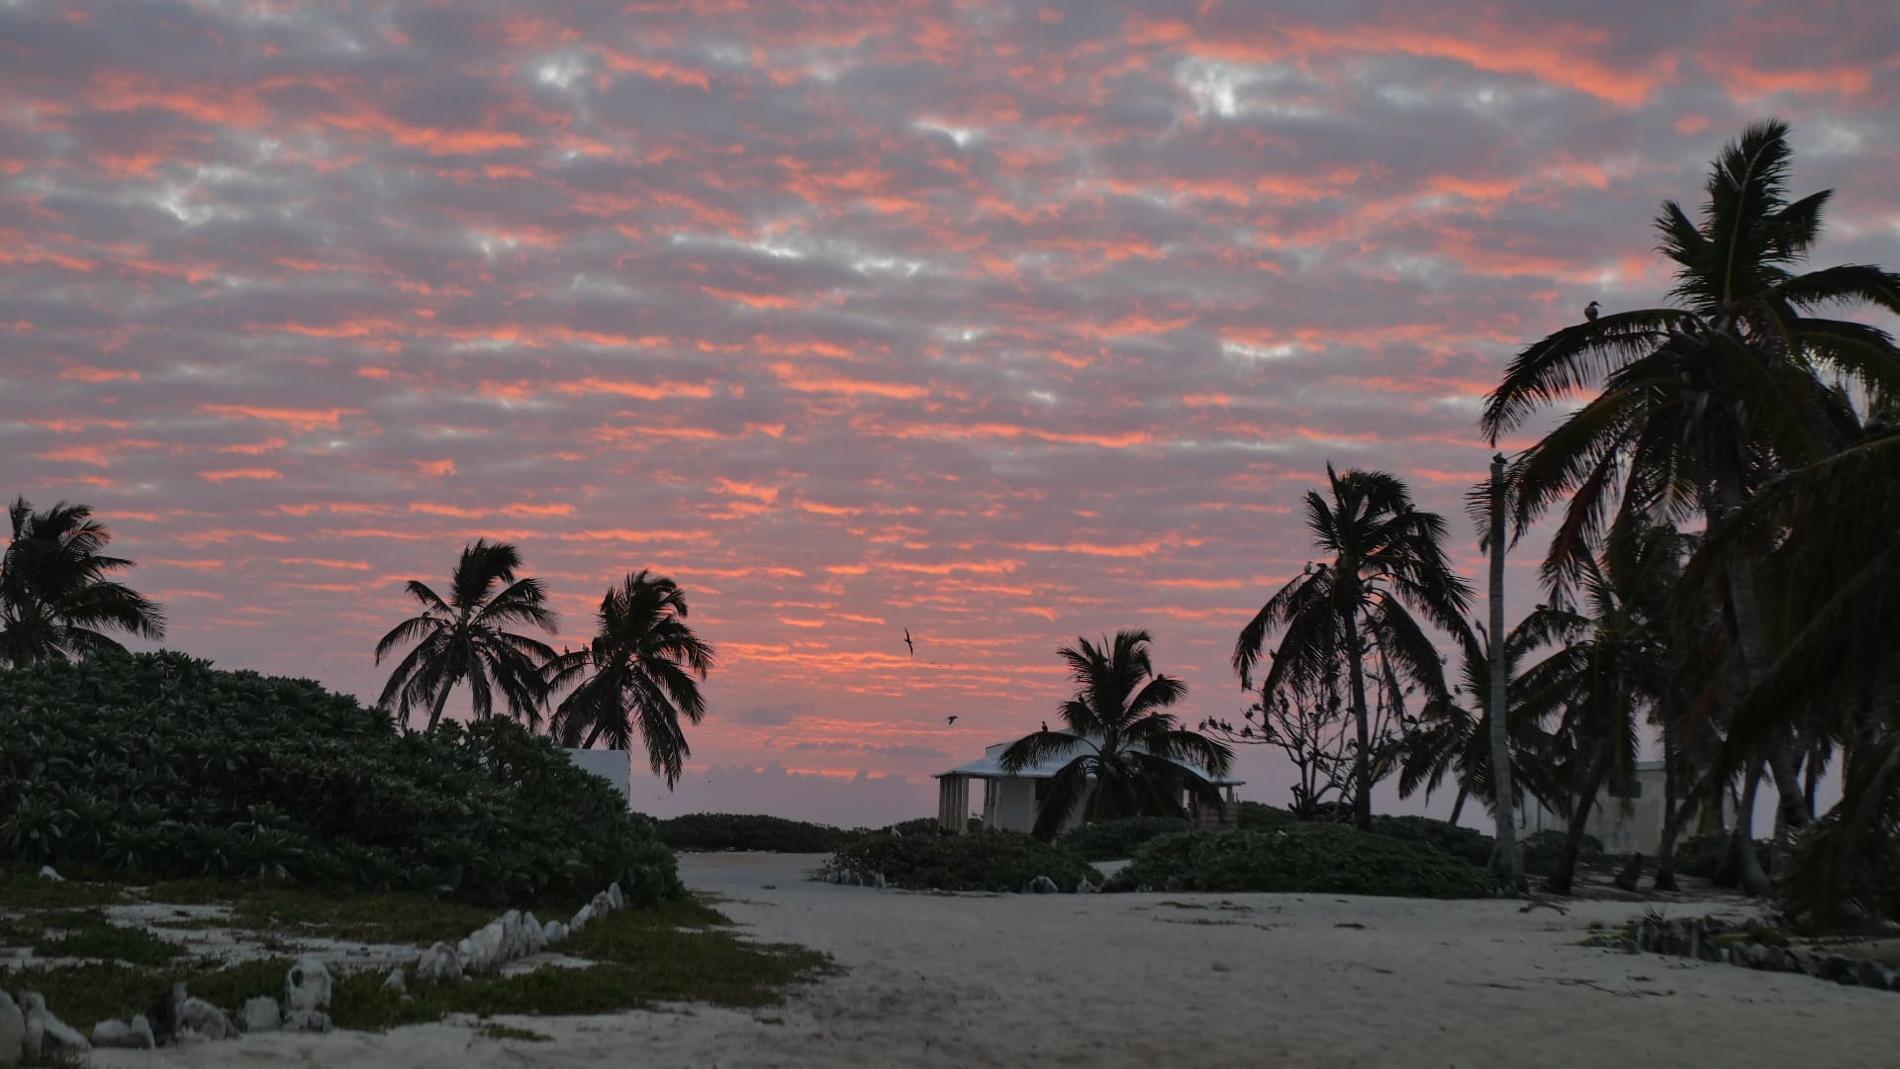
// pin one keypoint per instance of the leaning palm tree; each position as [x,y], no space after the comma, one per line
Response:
[1124,754]
[1387,563]
[1702,401]
[640,675]
[464,639]
[57,599]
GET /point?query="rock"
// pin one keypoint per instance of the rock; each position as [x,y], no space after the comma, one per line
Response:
[261,1014]
[206,1020]
[306,988]
[1085,886]
[484,946]
[1839,969]
[581,917]
[12,1032]
[1043,885]
[47,1035]
[613,895]
[163,1014]
[1631,874]
[1870,974]
[1755,956]
[307,1021]
[395,981]
[47,873]
[553,932]
[534,937]
[135,1034]
[878,881]
[439,965]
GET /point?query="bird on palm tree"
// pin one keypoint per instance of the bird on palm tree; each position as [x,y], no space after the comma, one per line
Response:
[1125,754]
[57,597]
[1388,562]
[1704,400]
[639,676]
[465,639]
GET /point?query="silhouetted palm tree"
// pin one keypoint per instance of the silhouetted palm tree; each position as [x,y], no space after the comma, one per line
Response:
[56,600]
[465,639]
[640,675]
[1126,756]
[1702,402]
[1388,561]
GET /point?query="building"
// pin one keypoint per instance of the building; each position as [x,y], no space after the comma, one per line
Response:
[610,765]
[1627,817]
[1012,801]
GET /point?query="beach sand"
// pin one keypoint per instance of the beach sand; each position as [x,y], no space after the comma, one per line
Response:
[1170,980]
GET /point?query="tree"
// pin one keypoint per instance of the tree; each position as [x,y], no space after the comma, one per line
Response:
[57,597]
[639,675]
[465,639]
[1703,401]
[1387,563]
[1310,726]
[1126,755]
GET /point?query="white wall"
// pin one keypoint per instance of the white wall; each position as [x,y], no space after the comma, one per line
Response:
[610,765]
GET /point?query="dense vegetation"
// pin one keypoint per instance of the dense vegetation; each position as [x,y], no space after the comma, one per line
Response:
[1471,847]
[750,831]
[1108,840]
[982,861]
[158,765]
[1315,857]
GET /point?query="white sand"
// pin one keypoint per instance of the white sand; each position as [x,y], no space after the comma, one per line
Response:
[1171,980]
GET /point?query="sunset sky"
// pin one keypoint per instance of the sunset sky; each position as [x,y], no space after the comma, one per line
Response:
[1000,323]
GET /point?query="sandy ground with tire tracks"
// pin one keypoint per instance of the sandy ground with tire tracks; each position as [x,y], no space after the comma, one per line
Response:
[1169,980]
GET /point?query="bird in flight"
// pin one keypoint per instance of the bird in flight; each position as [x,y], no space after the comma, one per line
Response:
[1590,311]
[908,644]
[950,720]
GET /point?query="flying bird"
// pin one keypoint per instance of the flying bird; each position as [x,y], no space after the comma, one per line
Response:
[1590,311]
[908,644]
[950,720]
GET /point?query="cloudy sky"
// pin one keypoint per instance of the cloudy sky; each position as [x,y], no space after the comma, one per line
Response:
[1000,323]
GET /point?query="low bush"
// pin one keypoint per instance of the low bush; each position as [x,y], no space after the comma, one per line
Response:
[1315,858]
[1542,849]
[1465,844]
[981,861]
[1262,815]
[1107,840]
[159,766]
[750,831]
[1700,855]
[929,826]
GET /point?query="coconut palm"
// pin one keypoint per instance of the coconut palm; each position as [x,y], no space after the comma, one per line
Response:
[57,599]
[640,675]
[1387,563]
[1126,755]
[464,639]
[1701,401]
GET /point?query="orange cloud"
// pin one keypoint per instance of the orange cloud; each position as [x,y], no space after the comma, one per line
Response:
[300,419]
[229,474]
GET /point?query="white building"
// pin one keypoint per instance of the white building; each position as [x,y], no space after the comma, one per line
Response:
[1012,800]
[1627,817]
[610,765]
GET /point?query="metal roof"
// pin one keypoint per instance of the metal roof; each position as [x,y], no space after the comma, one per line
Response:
[990,766]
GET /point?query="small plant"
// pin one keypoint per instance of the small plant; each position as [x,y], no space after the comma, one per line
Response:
[1313,857]
[750,831]
[1543,849]
[981,861]
[1107,840]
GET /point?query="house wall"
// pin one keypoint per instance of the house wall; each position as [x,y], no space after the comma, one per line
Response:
[1625,825]
[610,765]
[1009,804]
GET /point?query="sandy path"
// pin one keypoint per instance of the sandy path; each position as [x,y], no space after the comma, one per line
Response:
[1165,980]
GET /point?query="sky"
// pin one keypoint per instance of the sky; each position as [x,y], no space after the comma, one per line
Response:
[1000,323]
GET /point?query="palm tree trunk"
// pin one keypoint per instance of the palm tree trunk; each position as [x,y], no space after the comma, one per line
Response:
[1458,806]
[1743,865]
[1565,874]
[1506,862]
[592,736]
[441,700]
[1361,758]
[1678,816]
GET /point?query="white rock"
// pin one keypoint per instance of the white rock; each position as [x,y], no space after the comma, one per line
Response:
[581,918]
[439,965]
[261,1014]
[306,987]
[613,895]
[47,873]
[534,936]
[553,932]
[205,1019]
[395,981]
[485,946]
[135,1034]
[307,1021]
[12,1032]
[514,942]
[45,1033]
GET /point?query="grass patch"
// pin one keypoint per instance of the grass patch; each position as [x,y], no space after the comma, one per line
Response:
[389,917]
[84,995]
[25,890]
[85,934]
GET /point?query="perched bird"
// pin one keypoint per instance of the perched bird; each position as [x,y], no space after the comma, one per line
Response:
[1590,311]
[908,644]
[1045,727]
[950,720]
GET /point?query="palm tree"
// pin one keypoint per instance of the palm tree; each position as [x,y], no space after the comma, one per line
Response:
[464,639]
[56,597]
[1126,755]
[1388,562]
[646,666]
[1702,401]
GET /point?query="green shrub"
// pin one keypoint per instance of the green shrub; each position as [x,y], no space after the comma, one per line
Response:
[980,861]
[1314,858]
[1465,844]
[1542,849]
[159,766]
[929,826]
[750,831]
[1700,855]
[1107,840]
[1262,815]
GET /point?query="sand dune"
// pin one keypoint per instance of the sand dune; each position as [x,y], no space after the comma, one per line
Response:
[1167,980]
